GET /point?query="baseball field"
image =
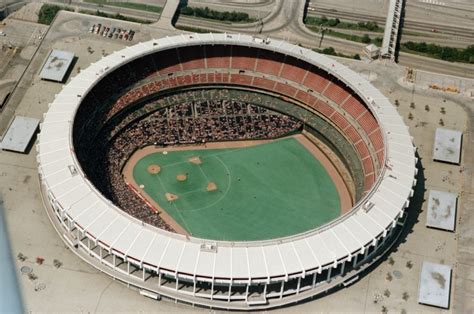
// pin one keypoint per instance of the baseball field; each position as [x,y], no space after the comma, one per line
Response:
[238,192]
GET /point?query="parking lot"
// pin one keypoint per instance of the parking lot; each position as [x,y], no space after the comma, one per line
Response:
[112,32]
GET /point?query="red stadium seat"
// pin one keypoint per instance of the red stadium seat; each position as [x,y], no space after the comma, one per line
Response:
[367,122]
[243,58]
[323,108]
[218,57]
[339,120]
[316,80]
[354,107]
[336,92]
[294,69]
[191,58]
[285,89]
[269,62]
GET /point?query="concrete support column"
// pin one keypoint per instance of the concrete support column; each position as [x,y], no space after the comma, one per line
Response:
[328,279]
[281,289]
[314,280]
[247,291]
[212,289]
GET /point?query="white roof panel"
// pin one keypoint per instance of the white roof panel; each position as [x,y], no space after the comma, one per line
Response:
[19,134]
[435,285]
[56,66]
[447,145]
[442,207]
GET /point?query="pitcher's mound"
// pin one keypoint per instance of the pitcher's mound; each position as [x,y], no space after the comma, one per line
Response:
[181,177]
[154,169]
[211,186]
[195,160]
[171,197]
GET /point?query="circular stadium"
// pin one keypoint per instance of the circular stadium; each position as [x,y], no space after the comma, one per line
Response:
[225,170]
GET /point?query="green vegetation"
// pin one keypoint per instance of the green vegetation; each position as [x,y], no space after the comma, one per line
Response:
[366,39]
[324,21]
[257,197]
[465,55]
[49,11]
[216,15]
[332,52]
[129,5]
[116,16]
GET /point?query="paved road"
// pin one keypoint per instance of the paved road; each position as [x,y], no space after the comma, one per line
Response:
[286,22]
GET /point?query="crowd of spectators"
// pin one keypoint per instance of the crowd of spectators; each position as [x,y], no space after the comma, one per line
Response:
[185,123]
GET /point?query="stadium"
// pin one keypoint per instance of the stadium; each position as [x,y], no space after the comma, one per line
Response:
[225,170]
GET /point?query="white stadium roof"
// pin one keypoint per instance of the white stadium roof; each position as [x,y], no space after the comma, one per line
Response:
[113,228]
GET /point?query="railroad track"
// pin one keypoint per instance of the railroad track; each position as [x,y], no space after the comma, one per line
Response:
[408,24]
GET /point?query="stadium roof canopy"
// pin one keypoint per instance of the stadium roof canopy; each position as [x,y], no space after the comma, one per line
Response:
[19,134]
[441,210]
[435,285]
[447,146]
[57,65]
[376,213]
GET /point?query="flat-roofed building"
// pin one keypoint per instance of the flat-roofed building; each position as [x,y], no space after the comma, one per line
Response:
[19,134]
[435,285]
[441,212]
[57,65]
[447,146]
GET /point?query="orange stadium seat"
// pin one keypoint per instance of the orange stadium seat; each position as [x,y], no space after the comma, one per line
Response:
[354,107]
[376,139]
[362,149]
[263,83]
[218,57]
[368,166]
[339,120]
[353,135]
[316,80]
[285,89]
[294,69]
[191,58]
[323,108]
[269,62]
[243,58]
[367,122]
[336,93]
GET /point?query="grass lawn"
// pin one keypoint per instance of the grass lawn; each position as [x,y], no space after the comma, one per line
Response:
[265,191]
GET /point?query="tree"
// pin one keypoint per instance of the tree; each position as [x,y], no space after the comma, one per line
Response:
[329,51]
[366,39]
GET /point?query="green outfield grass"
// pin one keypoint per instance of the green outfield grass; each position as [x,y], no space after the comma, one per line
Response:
[266,191]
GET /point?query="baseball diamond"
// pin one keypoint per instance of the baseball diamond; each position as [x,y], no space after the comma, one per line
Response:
[248,186]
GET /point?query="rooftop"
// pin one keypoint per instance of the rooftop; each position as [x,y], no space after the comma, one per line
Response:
[435,285]
[57,65]
[441,210]
[447,146]
[19,134]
